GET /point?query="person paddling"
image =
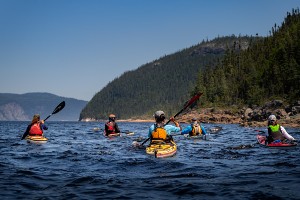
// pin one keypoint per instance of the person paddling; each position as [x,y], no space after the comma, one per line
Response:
[111,127]
[194,129]
[277,133]
[159,131]
[36,127]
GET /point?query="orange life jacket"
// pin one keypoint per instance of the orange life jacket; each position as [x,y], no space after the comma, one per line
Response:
[196,130]
[159,133]
[35,129]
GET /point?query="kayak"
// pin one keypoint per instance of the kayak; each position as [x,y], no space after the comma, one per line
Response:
[215,129]
[36,139]
[96,129]
[129,133]
[203,137]
[261,139]
[162,149]
[111,135]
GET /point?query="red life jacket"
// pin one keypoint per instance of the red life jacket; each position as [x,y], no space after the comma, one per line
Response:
[35,129]
[110,128]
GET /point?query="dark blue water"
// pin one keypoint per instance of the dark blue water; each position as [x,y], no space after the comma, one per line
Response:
[78,163]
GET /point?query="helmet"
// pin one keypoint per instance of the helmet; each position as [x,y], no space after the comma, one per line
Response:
[272,118]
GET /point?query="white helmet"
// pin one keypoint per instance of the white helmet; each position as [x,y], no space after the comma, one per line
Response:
[272,118]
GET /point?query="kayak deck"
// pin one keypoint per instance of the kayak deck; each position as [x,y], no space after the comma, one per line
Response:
[162,149]
[111,135]
[36,139]
[261,139]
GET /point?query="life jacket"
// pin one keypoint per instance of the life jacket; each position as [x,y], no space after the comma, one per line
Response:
[275,133]
[110,128]
[196,130]
[36,129]
[159,133]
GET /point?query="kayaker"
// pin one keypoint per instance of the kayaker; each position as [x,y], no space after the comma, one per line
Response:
[194,129]
[277,133]
[111,127]
[36,127]
[161,132]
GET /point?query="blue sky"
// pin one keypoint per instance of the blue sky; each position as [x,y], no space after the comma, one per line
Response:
[74,48]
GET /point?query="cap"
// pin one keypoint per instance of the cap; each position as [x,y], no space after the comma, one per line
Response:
[272,118]
[194,119]
[158,113]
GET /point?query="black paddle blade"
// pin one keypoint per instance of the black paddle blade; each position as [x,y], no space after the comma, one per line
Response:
[59,107]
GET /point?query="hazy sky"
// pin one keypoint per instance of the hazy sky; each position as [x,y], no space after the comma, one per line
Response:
[74,48]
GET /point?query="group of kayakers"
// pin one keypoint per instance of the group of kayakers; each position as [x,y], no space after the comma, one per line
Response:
[161,131]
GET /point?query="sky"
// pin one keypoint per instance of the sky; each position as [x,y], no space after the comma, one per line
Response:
[74,48]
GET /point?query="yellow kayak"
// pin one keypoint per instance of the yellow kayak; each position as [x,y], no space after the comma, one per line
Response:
[36,139]
[161,149]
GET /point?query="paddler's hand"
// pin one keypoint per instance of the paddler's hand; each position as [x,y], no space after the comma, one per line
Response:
[176,123]
[42,121]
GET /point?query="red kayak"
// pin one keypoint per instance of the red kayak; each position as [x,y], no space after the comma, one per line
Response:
[261,139]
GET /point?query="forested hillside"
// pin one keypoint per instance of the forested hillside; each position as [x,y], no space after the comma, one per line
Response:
[165,83]
[268,69]
[241,71]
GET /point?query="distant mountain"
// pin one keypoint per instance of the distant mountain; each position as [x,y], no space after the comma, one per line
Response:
[21,107]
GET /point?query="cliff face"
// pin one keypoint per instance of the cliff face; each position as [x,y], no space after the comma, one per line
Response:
[12,112]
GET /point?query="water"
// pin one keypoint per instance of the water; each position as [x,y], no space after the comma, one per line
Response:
[78,163]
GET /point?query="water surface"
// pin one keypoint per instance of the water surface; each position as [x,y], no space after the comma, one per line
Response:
[78,163]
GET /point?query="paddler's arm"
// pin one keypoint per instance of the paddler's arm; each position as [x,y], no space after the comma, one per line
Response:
[285,134]
[43,126]
[26,132]
[203,130]
[117,130]
[176,123]
[187,130]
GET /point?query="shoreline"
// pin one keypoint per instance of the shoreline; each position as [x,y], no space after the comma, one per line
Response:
[292,122]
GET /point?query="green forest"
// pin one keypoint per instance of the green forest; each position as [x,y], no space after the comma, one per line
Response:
[230,70]
[268,69]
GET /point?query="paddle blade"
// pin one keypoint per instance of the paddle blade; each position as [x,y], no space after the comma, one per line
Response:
[192,101]
[59,107]
[189,103]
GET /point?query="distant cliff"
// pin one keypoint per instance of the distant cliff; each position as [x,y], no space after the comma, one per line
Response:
[21,107]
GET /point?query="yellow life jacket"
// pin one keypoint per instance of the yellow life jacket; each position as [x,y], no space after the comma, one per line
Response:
[196,130]
[159,133]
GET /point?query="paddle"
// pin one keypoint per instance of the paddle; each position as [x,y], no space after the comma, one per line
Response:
[186,105]
[56,110]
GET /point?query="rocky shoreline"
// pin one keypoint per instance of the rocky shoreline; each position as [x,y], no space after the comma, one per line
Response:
[287,115]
